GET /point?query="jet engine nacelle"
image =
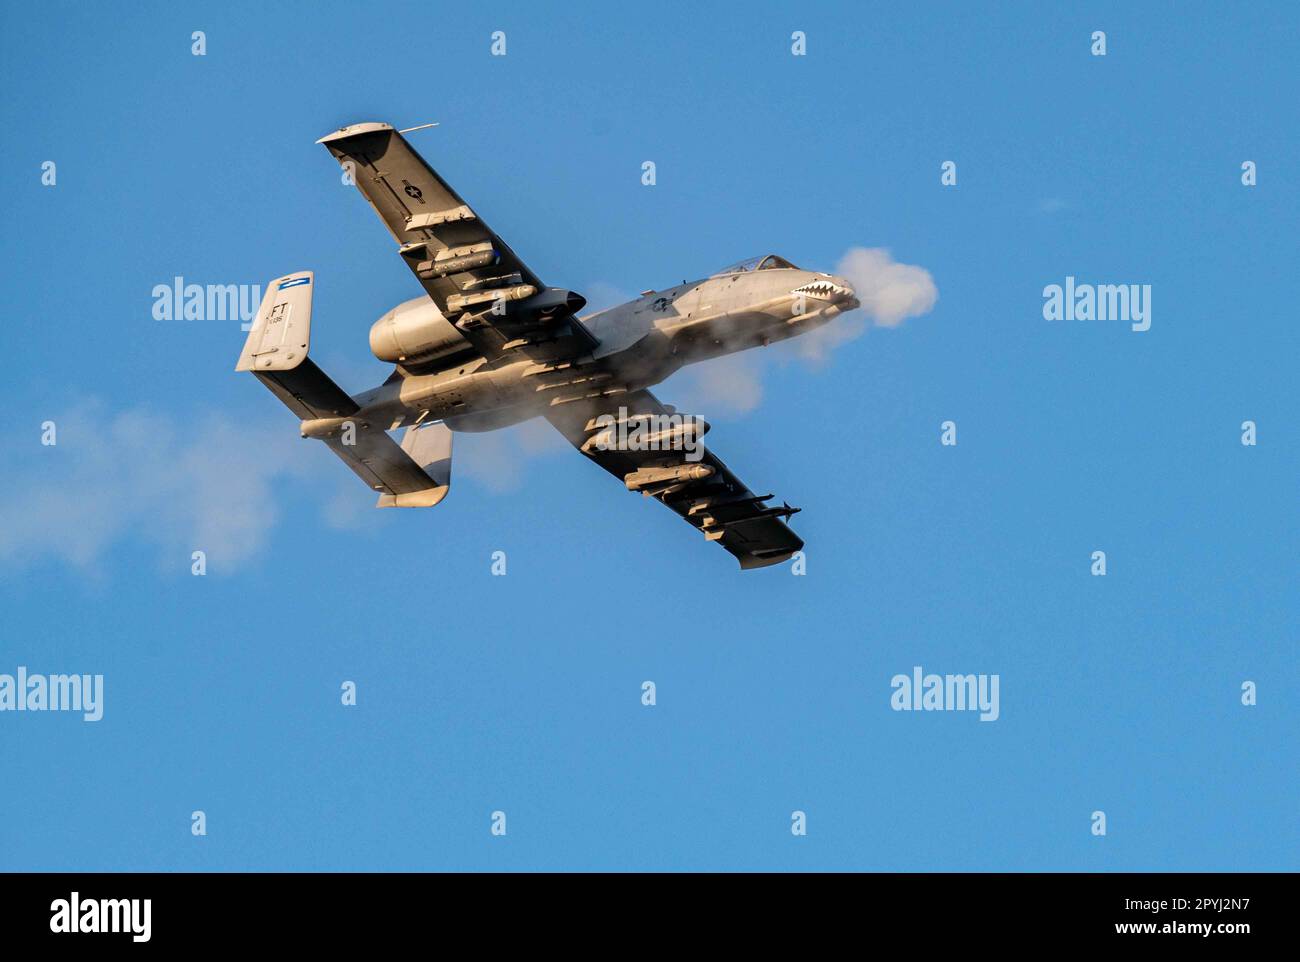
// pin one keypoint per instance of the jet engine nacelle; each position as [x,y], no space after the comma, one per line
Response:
[415,331]
[555,301]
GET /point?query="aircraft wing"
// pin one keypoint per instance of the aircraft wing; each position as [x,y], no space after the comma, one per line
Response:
[477,281]
[704,492]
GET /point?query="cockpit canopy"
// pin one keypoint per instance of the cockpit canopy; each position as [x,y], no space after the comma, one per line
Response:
[768,262]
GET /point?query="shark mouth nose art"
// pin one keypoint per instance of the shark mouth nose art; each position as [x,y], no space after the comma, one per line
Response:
[824,290]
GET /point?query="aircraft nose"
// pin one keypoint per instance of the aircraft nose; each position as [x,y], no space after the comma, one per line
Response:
[846,296]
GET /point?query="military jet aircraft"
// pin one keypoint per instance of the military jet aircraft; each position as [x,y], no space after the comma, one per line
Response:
[490,345]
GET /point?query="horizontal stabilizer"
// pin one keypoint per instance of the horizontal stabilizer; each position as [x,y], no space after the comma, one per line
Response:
[415,475]
[429,447]
[386,467]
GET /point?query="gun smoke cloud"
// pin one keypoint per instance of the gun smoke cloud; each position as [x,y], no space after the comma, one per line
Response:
[890,293]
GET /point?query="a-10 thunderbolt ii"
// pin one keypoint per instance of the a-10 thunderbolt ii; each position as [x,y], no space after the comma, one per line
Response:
[490,345]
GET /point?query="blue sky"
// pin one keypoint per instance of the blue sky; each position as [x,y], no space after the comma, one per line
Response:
[522,693]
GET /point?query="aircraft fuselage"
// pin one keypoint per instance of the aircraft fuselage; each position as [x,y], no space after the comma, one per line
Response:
[642,342]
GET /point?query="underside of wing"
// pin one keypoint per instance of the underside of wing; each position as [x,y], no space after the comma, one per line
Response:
[667,462]
[472,275]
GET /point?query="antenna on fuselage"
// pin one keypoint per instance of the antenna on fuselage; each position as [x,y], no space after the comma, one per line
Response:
[407,130]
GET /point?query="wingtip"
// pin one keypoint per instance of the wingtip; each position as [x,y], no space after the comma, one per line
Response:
[751,561]
[353,130]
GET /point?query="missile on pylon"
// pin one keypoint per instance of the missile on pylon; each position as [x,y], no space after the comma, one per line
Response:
[645,477]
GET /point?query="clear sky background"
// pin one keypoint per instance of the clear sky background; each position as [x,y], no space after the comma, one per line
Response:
[522,693]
